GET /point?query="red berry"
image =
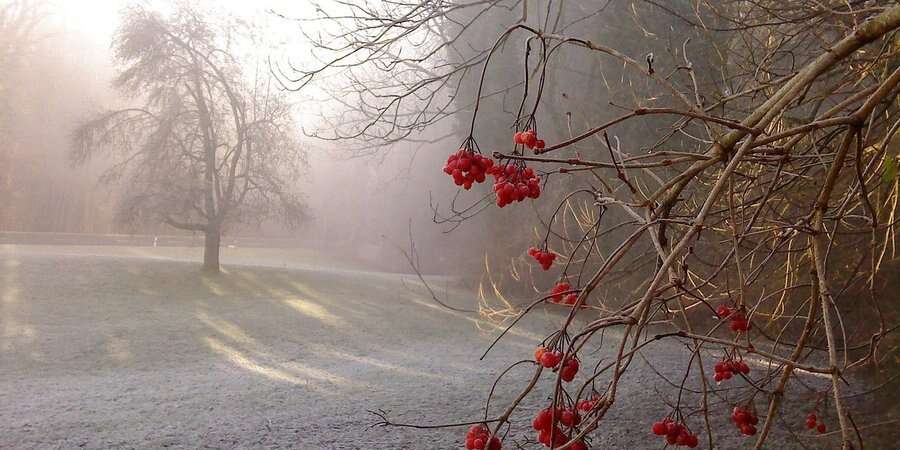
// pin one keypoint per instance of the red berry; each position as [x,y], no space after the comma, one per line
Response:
[477,439]
[739,322]
[745,420]
[569,418]
[550,359]
[543,420]
[529,138]
[557,291]
[821,428]
[659,428]
[544,437]
[723,311]
[586,405]
[559,438]
[692,441]
[672,429]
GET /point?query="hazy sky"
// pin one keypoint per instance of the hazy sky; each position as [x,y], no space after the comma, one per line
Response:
[95,22]
[99,18]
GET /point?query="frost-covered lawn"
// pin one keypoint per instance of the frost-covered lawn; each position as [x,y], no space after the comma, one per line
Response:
[117,347]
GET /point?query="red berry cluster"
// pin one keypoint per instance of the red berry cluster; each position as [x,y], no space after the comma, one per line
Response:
[675,433]
[569,370]
[513,183]
[745,420]
[586,405]
[557,294]
[467,167]
[529,139]
[811,420]
[551,359]
[566,416]
[548,433]
[546,358]
[477,439]
[728,367]
[543,257]
[739,321]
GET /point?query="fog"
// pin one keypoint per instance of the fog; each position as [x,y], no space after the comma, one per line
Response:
[61,71]
[436,224]
[364,198]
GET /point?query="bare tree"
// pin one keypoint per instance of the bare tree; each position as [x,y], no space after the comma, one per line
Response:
[758,222]
[205,147]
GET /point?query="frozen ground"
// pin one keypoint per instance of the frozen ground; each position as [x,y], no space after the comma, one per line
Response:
[119,347]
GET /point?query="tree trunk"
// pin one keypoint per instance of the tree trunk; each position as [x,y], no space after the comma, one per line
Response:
[213,235]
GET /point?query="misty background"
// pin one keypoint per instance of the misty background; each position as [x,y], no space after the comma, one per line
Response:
[362,196]
[111,335]
[58,69]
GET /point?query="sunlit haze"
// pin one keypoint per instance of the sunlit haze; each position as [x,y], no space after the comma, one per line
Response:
[449,224]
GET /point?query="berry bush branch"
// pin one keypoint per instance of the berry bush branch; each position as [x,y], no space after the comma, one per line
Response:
[735,214]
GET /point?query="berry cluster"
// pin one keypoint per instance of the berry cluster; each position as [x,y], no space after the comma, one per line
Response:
[543,257]
[675,433]
[467,167]
[745,420]
[569,369]
[728,367]
[477,439]
[548,433]
[557,294]
[811,420]
[513,183]
[529,139]
[546,358]
[739,321]
[550,359]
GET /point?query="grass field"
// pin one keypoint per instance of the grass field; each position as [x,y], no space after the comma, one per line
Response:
[120,347]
